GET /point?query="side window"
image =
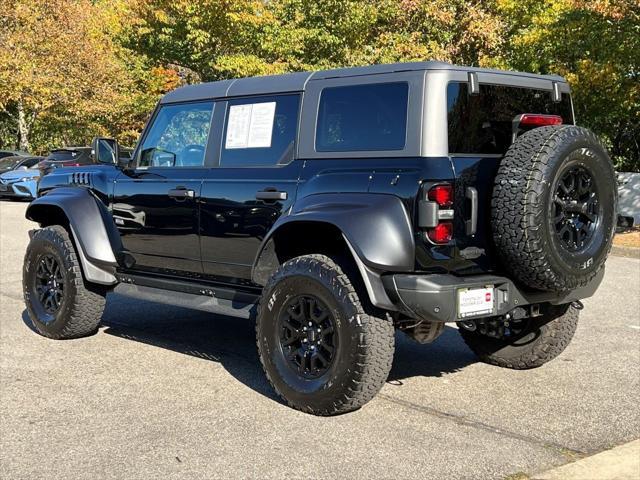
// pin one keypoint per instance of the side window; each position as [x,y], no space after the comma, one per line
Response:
[178,136]
[31,162]
[369,117]
[260,131]
[484,123]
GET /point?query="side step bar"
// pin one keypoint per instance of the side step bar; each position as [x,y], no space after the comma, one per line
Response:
[198,296]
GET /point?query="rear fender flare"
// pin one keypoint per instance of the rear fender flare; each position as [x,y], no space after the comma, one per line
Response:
[376,228]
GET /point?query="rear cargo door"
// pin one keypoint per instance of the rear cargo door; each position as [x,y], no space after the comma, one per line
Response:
[480,130]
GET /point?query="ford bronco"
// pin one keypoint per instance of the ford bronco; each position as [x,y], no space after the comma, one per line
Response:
[334,208]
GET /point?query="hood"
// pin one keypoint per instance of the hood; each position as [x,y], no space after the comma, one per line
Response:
[16,174]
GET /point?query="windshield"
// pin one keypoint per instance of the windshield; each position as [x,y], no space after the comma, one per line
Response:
[8,163]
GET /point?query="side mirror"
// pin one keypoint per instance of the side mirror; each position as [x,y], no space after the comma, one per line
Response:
[105,150]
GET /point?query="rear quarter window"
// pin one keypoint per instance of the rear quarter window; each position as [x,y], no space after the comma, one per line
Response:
[371,117]
[483,123]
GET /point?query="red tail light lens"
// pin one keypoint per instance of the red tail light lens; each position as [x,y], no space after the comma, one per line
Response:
[442,195]
[537,120]
[70,164]
[441,233]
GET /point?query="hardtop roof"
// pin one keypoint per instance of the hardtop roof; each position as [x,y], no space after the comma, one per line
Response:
[296,82]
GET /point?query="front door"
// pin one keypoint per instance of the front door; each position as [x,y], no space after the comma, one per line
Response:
[155,205]
[255,182]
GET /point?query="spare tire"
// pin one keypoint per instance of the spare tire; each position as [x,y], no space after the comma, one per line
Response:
[553,208]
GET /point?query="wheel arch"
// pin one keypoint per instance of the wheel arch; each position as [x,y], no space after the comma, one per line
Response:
[372,230]
[88,222]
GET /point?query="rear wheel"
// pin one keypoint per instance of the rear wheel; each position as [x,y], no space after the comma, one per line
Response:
[526,343]
[322,353]
[59,302]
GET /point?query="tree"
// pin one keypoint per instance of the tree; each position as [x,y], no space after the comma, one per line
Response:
[63,79]
[595,44]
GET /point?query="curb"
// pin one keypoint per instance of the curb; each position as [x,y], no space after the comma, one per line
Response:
[629,252]
[619,463]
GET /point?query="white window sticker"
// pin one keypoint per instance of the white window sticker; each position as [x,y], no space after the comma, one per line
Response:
[250,126]
[238,126]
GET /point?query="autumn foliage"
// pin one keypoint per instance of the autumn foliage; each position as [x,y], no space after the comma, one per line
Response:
[72,69]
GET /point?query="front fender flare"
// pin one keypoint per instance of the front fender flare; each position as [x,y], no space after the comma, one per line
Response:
[92,229]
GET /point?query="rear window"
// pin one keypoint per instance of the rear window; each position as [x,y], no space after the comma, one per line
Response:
[369,117]
[484,123]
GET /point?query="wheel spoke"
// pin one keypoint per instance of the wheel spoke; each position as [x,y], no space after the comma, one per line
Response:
[326,331]
[318,315]
[320,357]
[290,341]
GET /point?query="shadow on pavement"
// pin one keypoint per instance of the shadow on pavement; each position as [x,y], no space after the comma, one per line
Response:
[231,341]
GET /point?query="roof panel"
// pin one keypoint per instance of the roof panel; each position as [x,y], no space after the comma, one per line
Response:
[296,82]
[290,82]
[198,92]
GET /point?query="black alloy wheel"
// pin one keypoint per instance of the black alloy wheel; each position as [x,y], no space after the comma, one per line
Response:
[60,303]
[575,209]
[49,284]
[307,336]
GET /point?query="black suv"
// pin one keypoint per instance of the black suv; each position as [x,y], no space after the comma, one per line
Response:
[334,208]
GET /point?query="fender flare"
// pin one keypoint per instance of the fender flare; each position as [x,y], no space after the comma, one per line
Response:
[94,233]
[376,228]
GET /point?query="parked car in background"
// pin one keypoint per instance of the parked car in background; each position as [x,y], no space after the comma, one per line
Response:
[21,182]
[14,162]
[72,157]
[65,157]
[628,199]
[12,153]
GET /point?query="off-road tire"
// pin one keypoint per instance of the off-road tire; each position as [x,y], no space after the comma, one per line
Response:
[365,342]
[82,303]
[545,338]
[521,208]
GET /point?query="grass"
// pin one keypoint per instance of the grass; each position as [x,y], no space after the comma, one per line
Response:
[629,237]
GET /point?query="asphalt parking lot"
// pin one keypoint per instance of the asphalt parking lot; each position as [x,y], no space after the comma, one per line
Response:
[165,392]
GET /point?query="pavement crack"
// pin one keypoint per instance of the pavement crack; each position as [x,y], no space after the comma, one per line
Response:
[461,420]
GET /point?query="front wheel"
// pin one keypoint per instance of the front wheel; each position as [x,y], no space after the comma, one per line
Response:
[59,301]
[321,352]
[527,343]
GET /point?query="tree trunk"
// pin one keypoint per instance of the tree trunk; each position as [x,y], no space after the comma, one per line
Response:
[23,129]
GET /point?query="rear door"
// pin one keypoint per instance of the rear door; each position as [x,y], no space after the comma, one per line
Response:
[480,130]
[254,183]
[155,205]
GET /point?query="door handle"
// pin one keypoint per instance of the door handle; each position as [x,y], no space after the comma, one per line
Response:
[181,193]
[471,225]
[271,195]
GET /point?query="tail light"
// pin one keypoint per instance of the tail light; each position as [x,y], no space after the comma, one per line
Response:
[441,233]
[69,164]
[538,120]
[440,204]
[442,195]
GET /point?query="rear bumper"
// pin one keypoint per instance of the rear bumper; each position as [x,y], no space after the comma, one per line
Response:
[434,297]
